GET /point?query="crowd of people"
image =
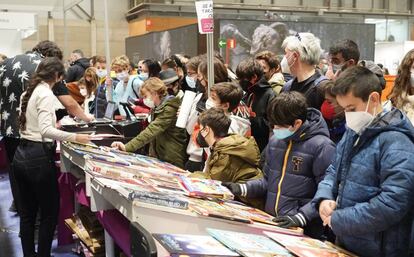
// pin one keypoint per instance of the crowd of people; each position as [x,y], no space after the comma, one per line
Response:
[304,137]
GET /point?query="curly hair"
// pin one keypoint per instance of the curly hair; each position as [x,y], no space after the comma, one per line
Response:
[48,49]
[47,71]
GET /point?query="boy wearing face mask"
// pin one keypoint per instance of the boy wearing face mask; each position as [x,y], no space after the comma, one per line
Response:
[167,142]
[227,96]
[257,97]
[296,158]
[233,158]
[367,196]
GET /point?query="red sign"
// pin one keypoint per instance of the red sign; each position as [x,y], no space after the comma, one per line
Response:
[231,43]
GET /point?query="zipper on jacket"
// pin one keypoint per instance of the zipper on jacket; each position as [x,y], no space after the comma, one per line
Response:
[279,186]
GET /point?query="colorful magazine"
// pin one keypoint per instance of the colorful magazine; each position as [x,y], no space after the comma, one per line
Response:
[192,245]
[306,246]
[161,199]
[216,210]
[248,245]
[206,188]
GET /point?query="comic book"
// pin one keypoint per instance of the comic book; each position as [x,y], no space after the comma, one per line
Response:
[306,246]
[216,210]
[249,245]
[193,245]
[206,188]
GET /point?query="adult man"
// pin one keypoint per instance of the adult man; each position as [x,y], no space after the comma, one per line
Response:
[342,54]
[15,73]
[78,66]
[302,53]
[367,196]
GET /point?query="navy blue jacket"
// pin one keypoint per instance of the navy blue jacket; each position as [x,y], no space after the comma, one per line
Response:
[372,180]
[306,156]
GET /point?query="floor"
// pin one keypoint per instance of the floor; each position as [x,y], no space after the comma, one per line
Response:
[9,227]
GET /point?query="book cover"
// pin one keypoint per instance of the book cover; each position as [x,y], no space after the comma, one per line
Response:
[248,245]
[215,210]
[198,187]
[306,246]
[192,245]
[159,199]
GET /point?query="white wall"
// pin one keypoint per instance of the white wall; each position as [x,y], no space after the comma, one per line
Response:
[11,42]
[390,54]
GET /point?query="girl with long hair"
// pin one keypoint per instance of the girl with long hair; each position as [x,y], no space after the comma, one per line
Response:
[402,94]
[33,164]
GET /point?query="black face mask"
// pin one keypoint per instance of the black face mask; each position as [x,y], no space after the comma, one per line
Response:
[201,141]
[245,85]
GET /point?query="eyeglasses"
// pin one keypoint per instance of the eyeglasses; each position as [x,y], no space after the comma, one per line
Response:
[300,41]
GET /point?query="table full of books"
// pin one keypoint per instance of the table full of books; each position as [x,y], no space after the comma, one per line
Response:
[186,216]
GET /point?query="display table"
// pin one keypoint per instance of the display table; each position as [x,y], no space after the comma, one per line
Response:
[144,219]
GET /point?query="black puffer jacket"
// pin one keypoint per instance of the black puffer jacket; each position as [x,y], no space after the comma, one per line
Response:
[77,69]
[258,99]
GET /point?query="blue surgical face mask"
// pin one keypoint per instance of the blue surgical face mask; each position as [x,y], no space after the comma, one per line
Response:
[282,133]
[190,81]
[143,76]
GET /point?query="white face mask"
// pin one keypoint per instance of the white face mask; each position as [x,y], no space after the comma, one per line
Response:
[359,121]
[101,73]
[285,66]
[122,76]
[83,92]
[149,102]
[210,104]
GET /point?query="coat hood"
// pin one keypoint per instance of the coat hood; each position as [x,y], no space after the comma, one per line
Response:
[393,120]
[83,62]
[314,125]
[236,145]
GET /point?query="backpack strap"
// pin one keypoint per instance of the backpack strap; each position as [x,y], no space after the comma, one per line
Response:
[316,83]
[132,85]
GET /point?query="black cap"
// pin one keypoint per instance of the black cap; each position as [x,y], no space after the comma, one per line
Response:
[168,76]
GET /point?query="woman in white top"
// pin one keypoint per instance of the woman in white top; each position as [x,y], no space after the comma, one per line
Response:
[33,164]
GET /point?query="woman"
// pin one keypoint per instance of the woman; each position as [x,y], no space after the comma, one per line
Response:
[168,142]
[402,94]
[195,160]
[33,163]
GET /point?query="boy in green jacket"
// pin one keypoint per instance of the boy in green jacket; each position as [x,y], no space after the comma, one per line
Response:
[233,158]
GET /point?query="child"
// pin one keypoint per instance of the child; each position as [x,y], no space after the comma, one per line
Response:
[227,96]
[88,93]
[233,158]
[296,158]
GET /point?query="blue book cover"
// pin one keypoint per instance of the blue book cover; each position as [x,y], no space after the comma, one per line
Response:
[193,245]
[249,245]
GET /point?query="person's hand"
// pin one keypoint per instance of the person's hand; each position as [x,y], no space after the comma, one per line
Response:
[297,220]
[326,208]
[235,188]
[83,138]
[178,111]
[328,222]
[330,73]
[89,117]
[118,145]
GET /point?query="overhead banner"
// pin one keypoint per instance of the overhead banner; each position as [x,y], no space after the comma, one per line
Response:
[14,20]
[205,16]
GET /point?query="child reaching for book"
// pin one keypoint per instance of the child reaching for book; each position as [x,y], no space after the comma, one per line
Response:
[233,158]
[167,142]
[298,154]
